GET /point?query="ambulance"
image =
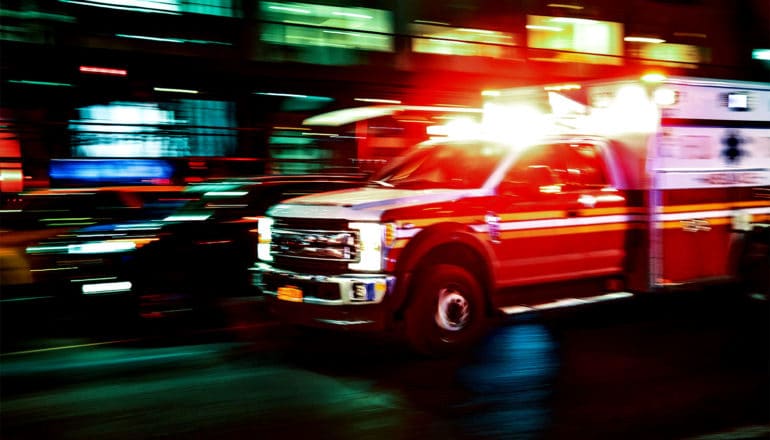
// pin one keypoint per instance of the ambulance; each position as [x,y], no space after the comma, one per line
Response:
[565,194]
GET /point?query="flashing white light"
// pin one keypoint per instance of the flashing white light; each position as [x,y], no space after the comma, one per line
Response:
[456,128]
[519,124]
[561,105]
[114,287]
[264,229]
[630,111]
[371,236]
[665,96]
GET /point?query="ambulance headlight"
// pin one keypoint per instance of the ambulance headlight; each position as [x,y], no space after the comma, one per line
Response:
[369,246]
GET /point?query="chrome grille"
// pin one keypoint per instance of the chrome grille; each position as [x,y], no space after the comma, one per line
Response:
[315,244]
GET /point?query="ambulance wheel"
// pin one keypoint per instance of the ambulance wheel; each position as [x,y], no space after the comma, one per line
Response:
[447,313]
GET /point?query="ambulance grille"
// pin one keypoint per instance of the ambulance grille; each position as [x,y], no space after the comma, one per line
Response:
[313,245]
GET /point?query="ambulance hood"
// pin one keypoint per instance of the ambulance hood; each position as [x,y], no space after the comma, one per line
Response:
[363,204]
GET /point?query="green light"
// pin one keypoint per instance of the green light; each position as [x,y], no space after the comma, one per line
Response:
[761,54]
[39,83]
[289,9]
[293,95]
[173,40]
[145,37]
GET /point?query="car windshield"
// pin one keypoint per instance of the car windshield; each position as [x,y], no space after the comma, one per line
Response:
[461,165]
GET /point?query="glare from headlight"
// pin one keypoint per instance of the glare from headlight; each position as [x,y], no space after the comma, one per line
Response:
[264,229]
[101,247]
[369,246]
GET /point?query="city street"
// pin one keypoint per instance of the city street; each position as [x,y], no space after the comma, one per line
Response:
[690,366]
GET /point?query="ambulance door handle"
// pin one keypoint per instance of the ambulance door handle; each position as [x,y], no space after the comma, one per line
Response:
[572,213]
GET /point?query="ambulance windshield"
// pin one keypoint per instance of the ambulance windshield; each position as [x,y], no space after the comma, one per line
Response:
[459,165]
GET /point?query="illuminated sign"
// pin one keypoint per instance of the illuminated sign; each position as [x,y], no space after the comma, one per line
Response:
[123,171]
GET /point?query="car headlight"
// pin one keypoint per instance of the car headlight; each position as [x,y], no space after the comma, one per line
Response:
[370,245]
[264,229]
[92,247]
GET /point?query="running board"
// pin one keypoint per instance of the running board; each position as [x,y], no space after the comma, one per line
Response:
[565,302]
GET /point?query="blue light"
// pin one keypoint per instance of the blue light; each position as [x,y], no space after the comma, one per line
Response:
[124,171]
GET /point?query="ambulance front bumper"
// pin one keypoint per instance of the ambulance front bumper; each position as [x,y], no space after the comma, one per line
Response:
[350,301]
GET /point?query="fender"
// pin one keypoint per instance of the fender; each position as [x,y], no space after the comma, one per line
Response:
[428,240]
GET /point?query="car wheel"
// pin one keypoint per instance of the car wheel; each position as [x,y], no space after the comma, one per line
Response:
[447,313]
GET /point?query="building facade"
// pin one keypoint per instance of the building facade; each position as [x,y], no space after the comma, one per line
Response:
[196,81]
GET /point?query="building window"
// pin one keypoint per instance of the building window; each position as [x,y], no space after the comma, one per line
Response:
[131,129]
[223,8]
[571,39]
[443,40]
[305,24]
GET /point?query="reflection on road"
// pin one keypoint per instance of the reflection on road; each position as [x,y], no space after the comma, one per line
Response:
[511,377]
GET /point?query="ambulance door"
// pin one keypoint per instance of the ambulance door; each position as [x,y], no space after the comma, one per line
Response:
[565,221]
[597,213]
[532,212]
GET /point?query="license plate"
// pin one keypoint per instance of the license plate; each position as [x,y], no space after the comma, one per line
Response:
[290,293]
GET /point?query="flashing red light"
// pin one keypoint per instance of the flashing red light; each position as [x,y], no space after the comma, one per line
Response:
[103,70]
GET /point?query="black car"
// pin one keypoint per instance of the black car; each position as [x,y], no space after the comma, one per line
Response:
[204,250]
[184,261]
[58,247]
[40,226]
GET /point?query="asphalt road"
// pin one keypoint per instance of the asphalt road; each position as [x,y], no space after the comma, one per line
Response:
[691,366]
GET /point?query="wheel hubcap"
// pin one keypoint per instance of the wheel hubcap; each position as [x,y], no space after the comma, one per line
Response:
[453,310]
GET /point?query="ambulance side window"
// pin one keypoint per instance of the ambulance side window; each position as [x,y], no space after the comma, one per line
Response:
[585,166]
[541,169]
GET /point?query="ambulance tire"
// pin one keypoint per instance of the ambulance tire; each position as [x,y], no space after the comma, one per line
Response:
[447,313]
